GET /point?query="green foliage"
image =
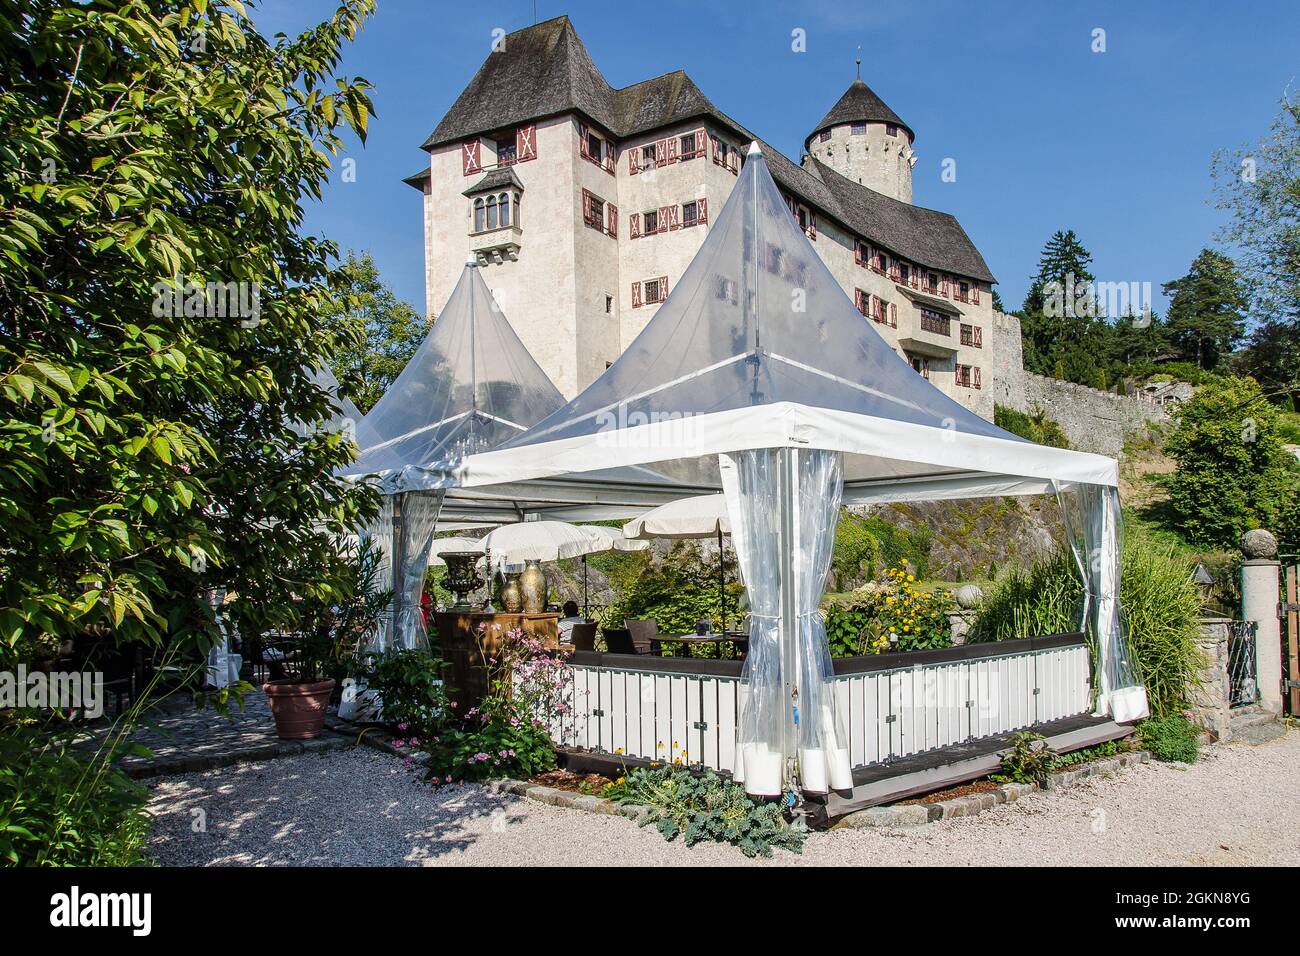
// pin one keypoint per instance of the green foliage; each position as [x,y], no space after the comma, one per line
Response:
[59,807]
[705,806]
[1233,473]
[867,544]
[148,448]
[384,332]
[677,591]
[409,682]
[893,614]
[1029,760]
[1206,315]
[507,735]
[1088,754]
[324,629]
[1036,426]
[1171,738]
[1159,598]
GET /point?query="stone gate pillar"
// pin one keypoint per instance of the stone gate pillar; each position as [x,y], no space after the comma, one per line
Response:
[1260,594]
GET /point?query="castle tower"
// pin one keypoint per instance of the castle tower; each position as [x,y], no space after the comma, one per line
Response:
[865,141]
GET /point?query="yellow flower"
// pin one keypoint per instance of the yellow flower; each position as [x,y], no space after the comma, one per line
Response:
[618,750]
[910,578]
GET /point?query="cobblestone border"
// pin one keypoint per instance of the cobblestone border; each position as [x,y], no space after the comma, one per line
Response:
[917,814]
[147,767]
[555,797]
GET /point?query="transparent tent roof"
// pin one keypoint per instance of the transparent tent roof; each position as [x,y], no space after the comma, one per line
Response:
[757,346]
[470,386]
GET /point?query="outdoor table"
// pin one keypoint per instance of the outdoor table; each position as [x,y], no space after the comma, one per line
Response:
[736,640]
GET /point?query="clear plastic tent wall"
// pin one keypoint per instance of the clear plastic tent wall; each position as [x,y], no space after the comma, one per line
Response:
[469,386]
[758,349]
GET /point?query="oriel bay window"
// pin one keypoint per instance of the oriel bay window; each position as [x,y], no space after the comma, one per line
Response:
[496,211]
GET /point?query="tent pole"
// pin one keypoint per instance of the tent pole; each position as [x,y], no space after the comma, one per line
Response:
[584,587]
[399,589]
[789,484]
[722,588]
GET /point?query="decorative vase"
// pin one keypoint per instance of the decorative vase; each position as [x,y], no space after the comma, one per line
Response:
[462,576]
[298,708]
[532,582]
[512,594]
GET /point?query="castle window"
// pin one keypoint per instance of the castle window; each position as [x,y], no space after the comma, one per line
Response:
[881,263]
[904,272]
[689,214]
[891,129]
[478,215]
[650,222]
[968,376]
[963,292]
[593,211]
[648,156]
[931,282]
[595,147]
[507,151]
[859,129]
[825,136]
[649,292]
[861,253]
[972,335]
[932,321]
[609,310]
[920,364]
[687,147]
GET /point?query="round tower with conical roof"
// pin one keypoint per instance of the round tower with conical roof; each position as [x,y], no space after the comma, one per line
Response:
[864,140]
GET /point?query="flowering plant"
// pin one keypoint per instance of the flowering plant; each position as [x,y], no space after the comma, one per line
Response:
[508,734]
[894,613]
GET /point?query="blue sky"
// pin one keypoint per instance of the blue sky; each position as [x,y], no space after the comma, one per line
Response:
[1046,134]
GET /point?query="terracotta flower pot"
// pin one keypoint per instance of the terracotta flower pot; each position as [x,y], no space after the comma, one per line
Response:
[298,708]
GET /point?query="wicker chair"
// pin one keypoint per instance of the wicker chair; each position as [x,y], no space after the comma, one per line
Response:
[645,636]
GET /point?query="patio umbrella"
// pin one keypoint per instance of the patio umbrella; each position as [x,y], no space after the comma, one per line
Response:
[612,539]
[701,516]
[540,541]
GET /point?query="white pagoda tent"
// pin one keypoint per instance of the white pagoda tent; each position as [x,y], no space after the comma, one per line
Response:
[758,375]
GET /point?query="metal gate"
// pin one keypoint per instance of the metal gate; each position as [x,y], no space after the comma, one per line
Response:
[1243,682]
[1290,612]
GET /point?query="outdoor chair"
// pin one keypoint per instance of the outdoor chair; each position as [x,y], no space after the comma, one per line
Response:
[645,635]
[583,637]
[618,640]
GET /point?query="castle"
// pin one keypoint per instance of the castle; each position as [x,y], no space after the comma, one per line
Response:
[584,204]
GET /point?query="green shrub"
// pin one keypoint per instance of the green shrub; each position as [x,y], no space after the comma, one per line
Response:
[867,544]
[702,806]
[1172,738]
[1158,595]
[677,591]
[1233,472]
[1029,760]
[893,614]
[1036,426]
[59,807]
[409,682]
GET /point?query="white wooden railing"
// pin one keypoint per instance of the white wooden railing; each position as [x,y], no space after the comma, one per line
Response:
[890,706]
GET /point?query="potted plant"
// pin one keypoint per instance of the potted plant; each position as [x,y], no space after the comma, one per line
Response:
[328,628]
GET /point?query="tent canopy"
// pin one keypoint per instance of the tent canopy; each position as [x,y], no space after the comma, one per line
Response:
[757,346]
[470,386]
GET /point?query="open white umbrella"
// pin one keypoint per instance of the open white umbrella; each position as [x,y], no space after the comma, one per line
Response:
[540,541]
[702,516]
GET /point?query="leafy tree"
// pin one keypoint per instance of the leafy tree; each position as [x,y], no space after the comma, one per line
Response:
[1062,331]
[1233,472]
[1035,425]
[386,332]
[1205,309]
[1260,186]
[146,447]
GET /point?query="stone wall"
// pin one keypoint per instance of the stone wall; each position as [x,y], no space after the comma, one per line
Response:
[1207,698]
[1093,420]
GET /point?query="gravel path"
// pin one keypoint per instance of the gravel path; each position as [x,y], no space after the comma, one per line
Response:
[1238,805]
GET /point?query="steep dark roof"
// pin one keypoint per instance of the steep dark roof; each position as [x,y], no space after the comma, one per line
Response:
[419,180]
[544,70]
[495,179]
[926,236]
[859,104]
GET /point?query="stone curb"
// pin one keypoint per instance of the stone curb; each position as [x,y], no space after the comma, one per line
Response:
[145,769]
[917,814]
[566,798]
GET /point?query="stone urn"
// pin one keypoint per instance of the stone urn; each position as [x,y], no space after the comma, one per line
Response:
[462,576]
[532,583]
[512,592]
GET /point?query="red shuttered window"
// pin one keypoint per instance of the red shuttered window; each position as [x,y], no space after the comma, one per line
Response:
[634,225]
[611,222]
[525,143]
[471,160]
[636,295]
